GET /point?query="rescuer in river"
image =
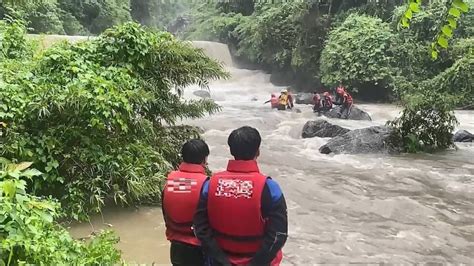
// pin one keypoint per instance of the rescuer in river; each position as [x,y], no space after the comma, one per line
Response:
[273,101]
[283,100]
[344,99]
[179,201]
[242,218]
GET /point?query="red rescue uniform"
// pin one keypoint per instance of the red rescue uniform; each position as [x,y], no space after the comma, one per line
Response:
[234,210]
[180,199]
[347,98]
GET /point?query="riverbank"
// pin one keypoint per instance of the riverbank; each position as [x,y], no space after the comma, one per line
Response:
[141,231]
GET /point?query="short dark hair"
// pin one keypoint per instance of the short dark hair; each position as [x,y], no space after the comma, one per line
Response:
[195,151]
[244,143]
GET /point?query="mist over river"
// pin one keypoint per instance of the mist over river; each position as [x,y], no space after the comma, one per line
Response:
[342,208]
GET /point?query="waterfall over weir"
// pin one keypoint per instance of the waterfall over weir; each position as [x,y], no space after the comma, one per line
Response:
[217,51]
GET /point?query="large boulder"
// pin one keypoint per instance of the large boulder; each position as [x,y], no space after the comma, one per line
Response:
[323,129]
[356,113]
[304,98]
[463,136]
[366,140]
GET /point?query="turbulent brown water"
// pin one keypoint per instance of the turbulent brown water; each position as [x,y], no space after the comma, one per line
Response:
[342,208]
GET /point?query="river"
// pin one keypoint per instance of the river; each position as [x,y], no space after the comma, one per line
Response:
[342,208]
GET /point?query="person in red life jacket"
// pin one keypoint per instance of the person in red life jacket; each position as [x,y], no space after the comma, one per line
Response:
[273,101]
[344,99]
[317,103]
[326,102]
[180,198]
[242,217]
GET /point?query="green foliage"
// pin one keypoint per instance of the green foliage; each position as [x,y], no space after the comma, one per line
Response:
[426,123]
[98,117]
[450,18]
[457,81]
[13,44]
[44,18]
[272,35]
[357,52]
[29,234]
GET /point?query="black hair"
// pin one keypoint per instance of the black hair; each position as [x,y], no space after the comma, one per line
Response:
[315,92]
[244,143]
[195,151]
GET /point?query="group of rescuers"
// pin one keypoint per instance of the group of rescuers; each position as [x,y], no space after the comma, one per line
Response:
[233,218]
[320,104]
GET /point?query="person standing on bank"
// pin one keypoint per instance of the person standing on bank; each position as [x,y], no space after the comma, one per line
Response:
[242,217]
[179,201]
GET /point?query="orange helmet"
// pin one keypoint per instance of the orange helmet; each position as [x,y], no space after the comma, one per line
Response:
[339,90]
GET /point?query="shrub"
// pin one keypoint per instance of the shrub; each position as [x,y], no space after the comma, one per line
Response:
[357,53]
[13,44]
[426,123]
[270,37]
[98,117]
[29,234]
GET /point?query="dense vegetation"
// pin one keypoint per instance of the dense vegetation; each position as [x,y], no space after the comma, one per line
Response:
[77,17]
[29,234]
[98,118]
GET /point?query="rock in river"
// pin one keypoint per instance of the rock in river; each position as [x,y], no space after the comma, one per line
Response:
[463,136]
[323,129]
[304,98]
[366,140]
[356,113]
[202,93]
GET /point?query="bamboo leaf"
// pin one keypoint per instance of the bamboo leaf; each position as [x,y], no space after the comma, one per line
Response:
[414,7]
[447,31]
[443,42]
[454,12]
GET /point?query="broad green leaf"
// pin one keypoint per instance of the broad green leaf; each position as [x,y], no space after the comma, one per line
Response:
[447,31]
[454,12]
[409,14]
[31,172]
[443,42]
[9,189]
[434,54]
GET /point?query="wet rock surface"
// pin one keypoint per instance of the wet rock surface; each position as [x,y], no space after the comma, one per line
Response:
[323,129]
[366,140]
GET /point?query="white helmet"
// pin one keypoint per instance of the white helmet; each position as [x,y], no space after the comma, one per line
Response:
[284,91]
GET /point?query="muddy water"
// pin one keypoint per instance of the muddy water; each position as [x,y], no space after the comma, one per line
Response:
[141,233]
[342,208]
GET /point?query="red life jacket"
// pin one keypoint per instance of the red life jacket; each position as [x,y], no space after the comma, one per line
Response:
[347,98]
[317,100]
[181,197]
[327,102]
[234,210]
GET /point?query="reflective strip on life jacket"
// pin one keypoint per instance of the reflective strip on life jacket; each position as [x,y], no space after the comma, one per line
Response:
[234,209]
[181,197]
